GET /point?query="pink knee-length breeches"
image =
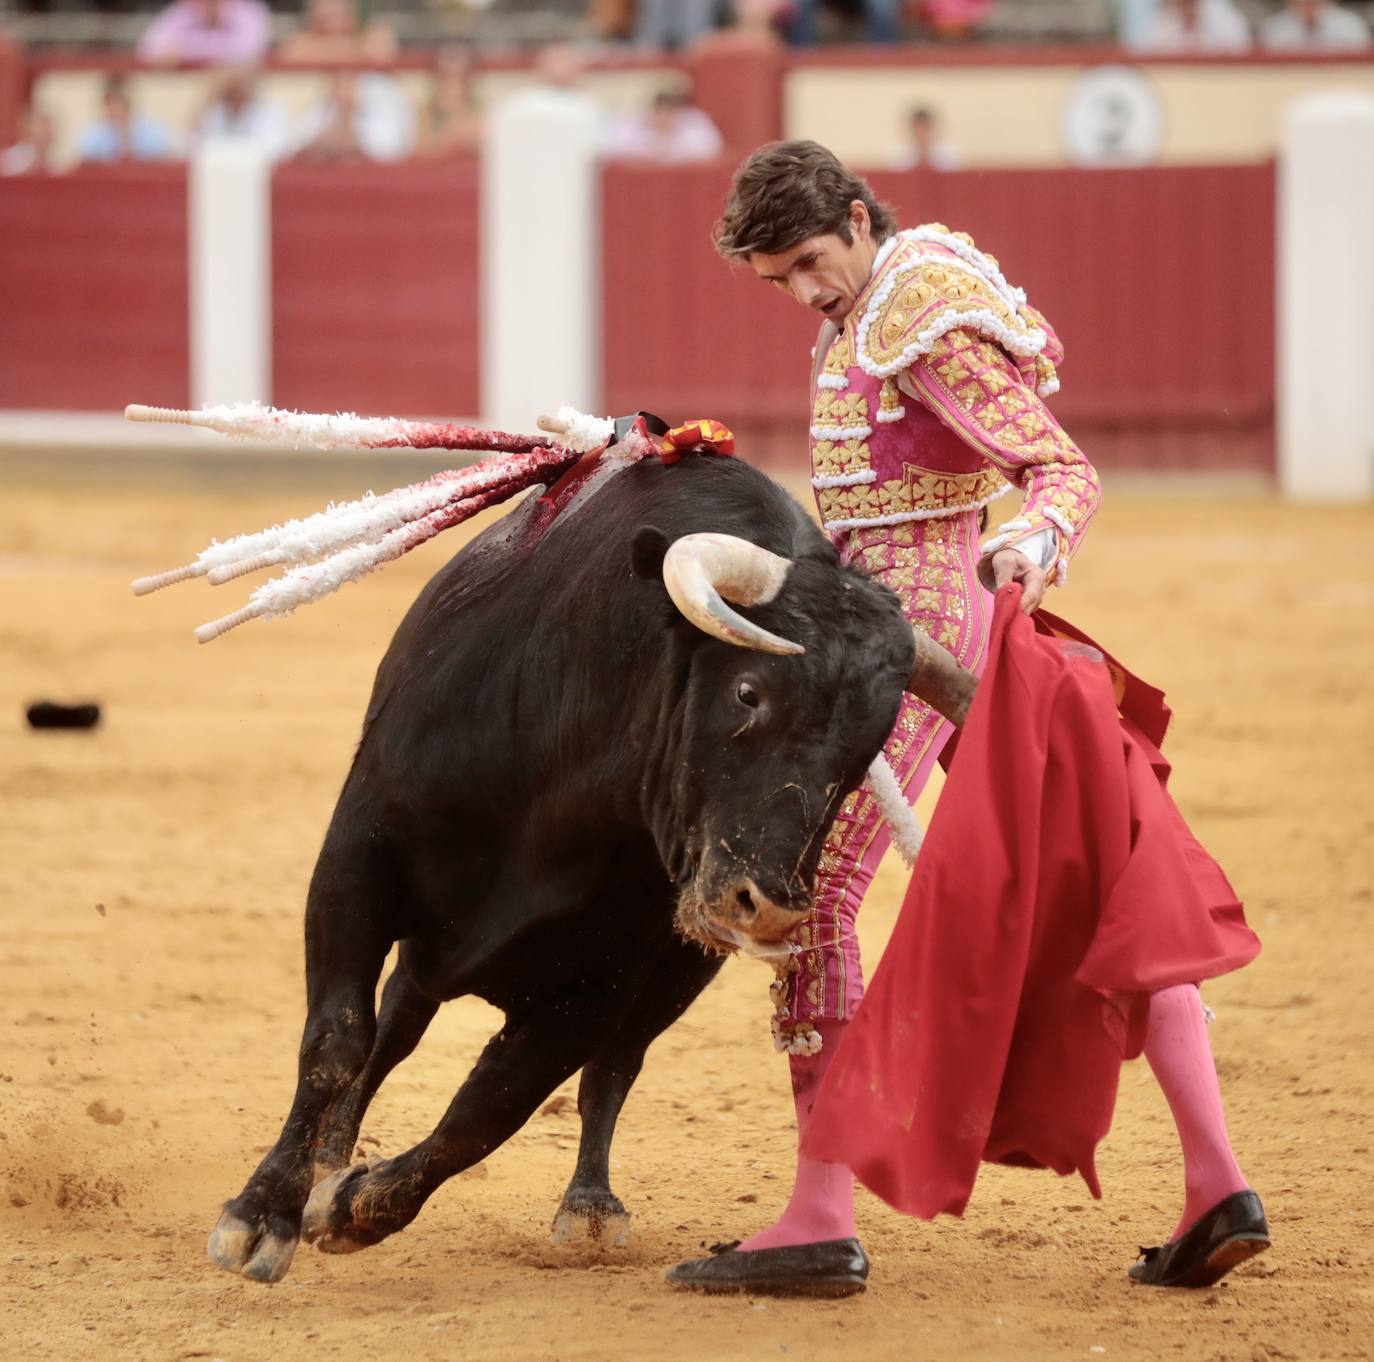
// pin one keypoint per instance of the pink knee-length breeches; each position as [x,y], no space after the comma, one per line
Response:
[931,566]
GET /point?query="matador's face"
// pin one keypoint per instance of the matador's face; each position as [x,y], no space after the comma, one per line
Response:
[824,273]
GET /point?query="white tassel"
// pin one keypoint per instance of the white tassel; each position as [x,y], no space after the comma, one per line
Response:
[253,421]
[310,581]
[329,530]
[585,432]
[906,831]
[339,526]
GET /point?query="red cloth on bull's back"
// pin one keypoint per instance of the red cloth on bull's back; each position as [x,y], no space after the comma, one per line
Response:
[1058,887]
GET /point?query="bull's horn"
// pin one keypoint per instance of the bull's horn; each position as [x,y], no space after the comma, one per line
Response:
[701,569]
[939,680]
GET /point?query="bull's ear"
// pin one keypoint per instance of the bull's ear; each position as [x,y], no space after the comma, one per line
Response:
[647,550]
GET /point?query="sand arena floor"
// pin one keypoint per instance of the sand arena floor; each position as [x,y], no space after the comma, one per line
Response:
[152,876]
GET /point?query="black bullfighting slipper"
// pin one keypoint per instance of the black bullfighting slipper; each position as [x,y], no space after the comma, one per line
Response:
[1232,1231]
[832,1267]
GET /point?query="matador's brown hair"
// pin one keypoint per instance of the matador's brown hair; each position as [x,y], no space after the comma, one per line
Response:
[788,191]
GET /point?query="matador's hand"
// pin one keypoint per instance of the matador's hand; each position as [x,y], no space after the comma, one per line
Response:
[1010,565]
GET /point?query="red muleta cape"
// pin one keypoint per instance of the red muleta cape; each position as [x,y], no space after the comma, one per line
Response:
[1058,887]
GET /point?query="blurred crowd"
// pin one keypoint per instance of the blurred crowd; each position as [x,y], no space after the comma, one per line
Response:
[1222,26]
[364,112]
[1171,25]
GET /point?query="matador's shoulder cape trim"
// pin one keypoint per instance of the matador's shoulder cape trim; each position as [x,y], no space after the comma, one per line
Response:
[934,281]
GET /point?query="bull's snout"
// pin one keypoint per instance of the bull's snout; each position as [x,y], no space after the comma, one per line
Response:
[744,908]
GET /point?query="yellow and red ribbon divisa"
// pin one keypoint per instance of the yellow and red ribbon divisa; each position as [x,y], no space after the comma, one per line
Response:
[710,437]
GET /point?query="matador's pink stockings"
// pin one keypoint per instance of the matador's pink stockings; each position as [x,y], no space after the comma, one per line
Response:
[822,1204]
[1180,1056]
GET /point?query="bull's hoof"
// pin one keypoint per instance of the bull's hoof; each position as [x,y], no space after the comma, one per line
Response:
[598,1216]
[256,1244]
[332,1220]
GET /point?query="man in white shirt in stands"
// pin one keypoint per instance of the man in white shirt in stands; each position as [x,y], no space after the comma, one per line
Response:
[1193,26]
[1315,26]
[671,131]
[925,148]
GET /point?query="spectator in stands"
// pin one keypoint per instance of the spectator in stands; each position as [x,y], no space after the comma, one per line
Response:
[559,66]
[671,131]
[611,20]
[233,108]
[332,32]
[122,134]
[364,117]
[33,153]
[451,123]
[925,148]
[1193,26]
[953,18]
[209,33]
[674,23]
[882,17]
[1315,26]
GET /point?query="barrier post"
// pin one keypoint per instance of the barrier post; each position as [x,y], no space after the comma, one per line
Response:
[230,259]
[540,252]
[1326,299]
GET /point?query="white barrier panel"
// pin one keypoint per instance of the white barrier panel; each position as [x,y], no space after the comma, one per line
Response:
[541,286]
[230,250]
[1326,299]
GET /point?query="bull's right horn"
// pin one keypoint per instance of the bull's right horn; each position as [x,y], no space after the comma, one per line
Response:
[703,571]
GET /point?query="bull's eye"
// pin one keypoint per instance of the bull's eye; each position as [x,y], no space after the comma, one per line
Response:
[747,695]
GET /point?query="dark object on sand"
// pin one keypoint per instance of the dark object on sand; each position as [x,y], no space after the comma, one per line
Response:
[49,714]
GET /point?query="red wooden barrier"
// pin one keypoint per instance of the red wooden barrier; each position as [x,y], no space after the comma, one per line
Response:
[375,288]
[741,90]
[1160,282]
[93,310]
[13,89]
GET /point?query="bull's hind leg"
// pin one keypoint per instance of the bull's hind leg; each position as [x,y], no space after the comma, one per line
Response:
[345,948]
[405,1015]
[589,1207]
[529,1057]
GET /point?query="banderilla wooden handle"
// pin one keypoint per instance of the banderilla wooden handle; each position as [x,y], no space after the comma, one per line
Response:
[136,411]
[552,425]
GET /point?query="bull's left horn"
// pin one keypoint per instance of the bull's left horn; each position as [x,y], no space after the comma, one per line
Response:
[703,571]
[939,680]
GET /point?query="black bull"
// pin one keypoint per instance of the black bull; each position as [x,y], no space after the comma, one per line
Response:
[552,758]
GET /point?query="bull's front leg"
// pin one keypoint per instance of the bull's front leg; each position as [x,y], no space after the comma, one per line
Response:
[405,1015]
[589,1207]
[257,1232]
[521,1065]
